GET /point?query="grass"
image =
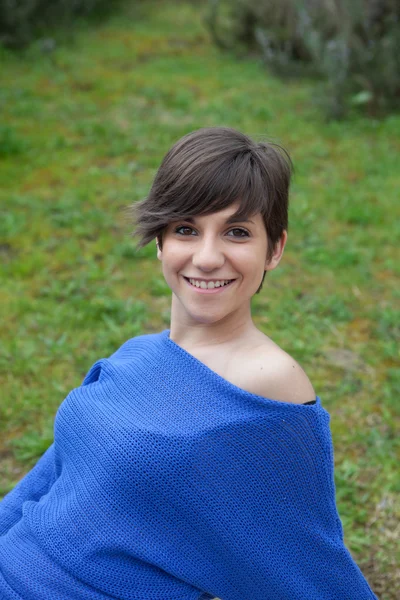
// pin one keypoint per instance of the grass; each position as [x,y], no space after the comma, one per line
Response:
[84,129]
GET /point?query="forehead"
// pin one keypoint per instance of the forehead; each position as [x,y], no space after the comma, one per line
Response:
[226,215]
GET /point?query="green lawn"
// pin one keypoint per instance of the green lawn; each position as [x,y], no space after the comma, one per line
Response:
[82,132]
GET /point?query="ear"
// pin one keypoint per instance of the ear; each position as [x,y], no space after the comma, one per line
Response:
[159,252]
[274,261]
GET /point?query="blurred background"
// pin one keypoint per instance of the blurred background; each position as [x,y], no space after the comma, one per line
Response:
[92,95]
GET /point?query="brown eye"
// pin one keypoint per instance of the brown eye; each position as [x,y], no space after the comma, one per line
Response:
[182,227]
[242,231]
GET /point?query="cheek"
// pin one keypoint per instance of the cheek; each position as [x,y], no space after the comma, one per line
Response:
[252,257]
[172,258]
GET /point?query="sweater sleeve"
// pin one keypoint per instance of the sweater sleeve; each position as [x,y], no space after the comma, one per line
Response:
[270,516]
[31,487]
[38,481]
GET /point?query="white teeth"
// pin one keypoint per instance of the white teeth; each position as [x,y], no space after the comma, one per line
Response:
[210,285]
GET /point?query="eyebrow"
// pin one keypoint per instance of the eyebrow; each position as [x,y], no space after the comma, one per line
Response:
[228,221]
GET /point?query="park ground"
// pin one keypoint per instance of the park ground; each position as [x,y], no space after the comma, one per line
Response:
[84,127]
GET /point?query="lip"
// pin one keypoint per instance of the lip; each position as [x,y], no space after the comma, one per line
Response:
[217,290]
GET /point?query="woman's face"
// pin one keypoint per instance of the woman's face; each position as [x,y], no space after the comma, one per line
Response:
[209,250]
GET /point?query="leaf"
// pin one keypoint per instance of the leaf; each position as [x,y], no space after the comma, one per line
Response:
[361,98]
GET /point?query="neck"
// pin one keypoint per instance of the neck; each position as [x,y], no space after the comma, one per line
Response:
[189,332]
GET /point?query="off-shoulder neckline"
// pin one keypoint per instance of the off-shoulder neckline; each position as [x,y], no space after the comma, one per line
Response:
[232,386]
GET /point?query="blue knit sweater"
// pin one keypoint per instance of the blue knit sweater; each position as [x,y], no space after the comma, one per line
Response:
[167,482]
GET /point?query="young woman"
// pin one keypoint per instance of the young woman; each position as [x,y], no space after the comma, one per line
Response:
[196,462]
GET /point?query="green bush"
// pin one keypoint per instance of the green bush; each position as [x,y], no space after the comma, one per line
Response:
[354,45]
[22,20]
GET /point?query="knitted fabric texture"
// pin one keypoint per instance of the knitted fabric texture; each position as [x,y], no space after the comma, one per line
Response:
[167,482]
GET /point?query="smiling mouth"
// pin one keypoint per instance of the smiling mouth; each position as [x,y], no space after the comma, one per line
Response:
[205,287]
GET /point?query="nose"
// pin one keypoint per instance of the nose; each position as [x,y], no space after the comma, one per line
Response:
[208,255]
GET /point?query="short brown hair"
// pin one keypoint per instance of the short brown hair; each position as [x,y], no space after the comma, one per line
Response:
[209,169]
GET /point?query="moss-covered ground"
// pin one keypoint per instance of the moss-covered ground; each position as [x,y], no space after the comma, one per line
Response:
[83,129]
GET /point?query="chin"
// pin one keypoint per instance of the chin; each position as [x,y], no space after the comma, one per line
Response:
[203,319]
[206,317]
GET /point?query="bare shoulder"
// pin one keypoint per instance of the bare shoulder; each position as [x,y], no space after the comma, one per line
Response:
[276,375]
